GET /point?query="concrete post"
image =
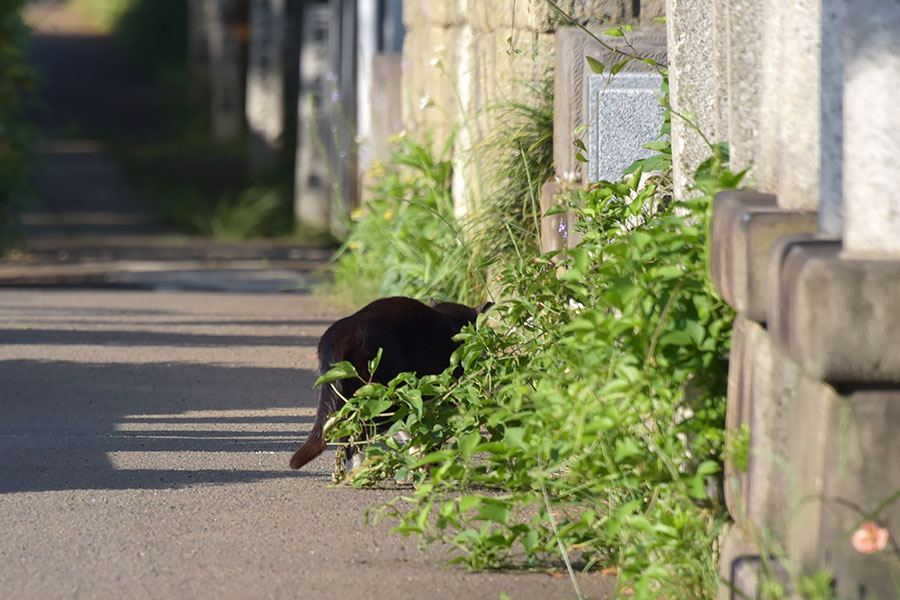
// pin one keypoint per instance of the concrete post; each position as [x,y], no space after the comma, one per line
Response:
[311,176]
[872,129]
[265,83]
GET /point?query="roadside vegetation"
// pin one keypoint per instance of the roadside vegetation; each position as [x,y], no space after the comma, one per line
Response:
[17,82]
[587,431]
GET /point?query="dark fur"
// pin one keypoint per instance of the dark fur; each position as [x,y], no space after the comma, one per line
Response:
[414,337]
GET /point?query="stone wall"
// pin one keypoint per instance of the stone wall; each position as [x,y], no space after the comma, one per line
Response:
[809,261]
[461,58]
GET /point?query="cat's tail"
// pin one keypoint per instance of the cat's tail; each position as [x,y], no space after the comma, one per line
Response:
[315,442]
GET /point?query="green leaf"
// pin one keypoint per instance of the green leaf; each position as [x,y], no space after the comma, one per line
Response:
[580,157]
[341,370]
[466,503]
[433,457]
[513,437]
[529,540]
[494,510]
[416,403]
[625,448]
[555,210]
[376,406]
[596,66]
[468,442]
[618,66]
[373,364]
[613,32]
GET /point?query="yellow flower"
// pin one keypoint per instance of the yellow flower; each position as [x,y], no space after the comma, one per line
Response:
[388,214]
[397,137]
[376,170]
[354,245]
[356,213]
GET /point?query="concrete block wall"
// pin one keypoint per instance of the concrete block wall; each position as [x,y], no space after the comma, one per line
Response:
[810,261]
[462,57]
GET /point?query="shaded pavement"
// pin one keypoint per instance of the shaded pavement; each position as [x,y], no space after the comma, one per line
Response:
[153,390]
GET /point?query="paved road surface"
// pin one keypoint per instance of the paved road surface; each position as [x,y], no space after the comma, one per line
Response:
[144,444]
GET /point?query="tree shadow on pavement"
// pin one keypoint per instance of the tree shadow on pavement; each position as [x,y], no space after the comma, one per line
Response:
[79,425]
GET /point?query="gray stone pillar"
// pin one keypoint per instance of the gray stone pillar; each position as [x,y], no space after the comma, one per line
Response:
[743,48]
[697,84]
[831,179]
[789,135]
[225,68]
[265,83]
[316,85]
[872,129]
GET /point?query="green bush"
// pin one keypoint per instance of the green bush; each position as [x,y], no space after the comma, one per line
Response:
[17,81]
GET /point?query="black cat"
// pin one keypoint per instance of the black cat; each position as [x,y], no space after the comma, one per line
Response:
[414,338]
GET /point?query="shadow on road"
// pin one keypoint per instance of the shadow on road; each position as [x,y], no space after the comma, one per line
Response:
[139,392]
[71,425]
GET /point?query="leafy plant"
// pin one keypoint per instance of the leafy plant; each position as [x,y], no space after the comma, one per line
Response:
[589,416]
[406,239]
[586,429]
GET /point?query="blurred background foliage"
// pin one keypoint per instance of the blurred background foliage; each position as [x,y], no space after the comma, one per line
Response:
[17,82]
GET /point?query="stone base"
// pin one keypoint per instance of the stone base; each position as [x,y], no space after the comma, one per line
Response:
[838,318]
[744,229]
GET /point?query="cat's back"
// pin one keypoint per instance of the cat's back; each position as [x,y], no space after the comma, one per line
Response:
[396,318]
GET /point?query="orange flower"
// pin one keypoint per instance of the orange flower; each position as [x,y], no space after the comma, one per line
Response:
[869,538]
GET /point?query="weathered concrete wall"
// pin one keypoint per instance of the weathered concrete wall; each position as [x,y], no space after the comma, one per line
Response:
[461,58]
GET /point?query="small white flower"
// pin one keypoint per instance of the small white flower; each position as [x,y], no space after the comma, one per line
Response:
[425,101]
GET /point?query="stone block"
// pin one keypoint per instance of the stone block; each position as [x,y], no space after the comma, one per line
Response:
[430,106]
[539,16]
[822,460]
[430,13]
[488,79]
[845,459]
[571,76]
[386,110]
[312,197]
[836,317]
[226,74]
[697,84]
[744,228]
[744,52]
[742,567]
[760,389]
[649,11]
[788,151]
[624,114]
[831,169]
